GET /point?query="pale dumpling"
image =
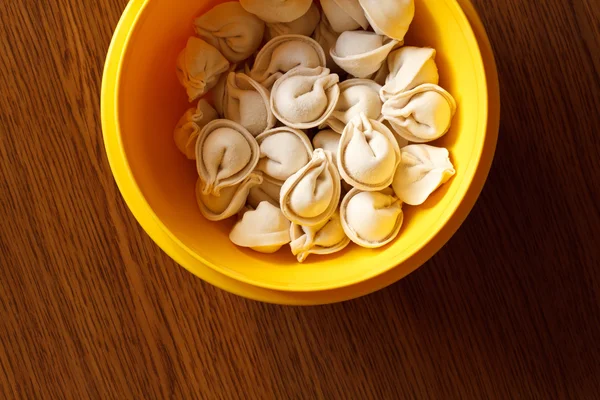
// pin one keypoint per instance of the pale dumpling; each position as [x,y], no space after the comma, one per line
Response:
[219,90]
[408,68]
[391,18]
[312,195]
[283,53]
[327,37]
[361,53]
[328,140]
[265,229]
[272,11]
[189,126]
[401,140]
[368,154]
[344,15]
[269,190]
[326,238]
[305,25]
[229,202]
[226,153]
[231,29]
[199,66]
[371,219]
[305,97]
[422,114]
[356,96]
[422,170]
[246,102]
[283,152]
[381,75]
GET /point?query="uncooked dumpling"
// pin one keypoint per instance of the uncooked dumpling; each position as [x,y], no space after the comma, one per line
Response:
[269,190]
[371,219]
[328,140]
[312,195]
[283,53]
[226,153]
[391,18]
[361,53]
[344,15]
[305,25]
[401,140]
[409,67]
[283,152]
[305,97]
[368,154]
[189,126]
[356,96]
[229,202]
[422,114]
[327,37]
[218,92]
[422,170]
[272,11]
[231,29]
[199,66]
[326,238]
[381,75]
[246,102]
[265,229]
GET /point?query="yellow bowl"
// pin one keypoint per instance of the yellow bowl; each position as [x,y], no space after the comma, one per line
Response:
[142,101]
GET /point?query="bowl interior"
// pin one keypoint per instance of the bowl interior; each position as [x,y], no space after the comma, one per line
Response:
[150,101]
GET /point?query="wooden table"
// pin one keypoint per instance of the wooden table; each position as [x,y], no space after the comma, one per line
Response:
[91,308]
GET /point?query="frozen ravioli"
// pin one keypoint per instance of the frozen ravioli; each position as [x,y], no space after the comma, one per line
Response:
[312,195]
[305,97]
[423,170]
[265,229]
[371,219]
[226,153]
[199,66]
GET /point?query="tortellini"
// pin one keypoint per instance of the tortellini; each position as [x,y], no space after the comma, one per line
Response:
[231,29]
[199,67]
[226,153]
[422,114]
[269,190]
[189,126]
[265,229]
[283,53]
[327,37]
[328,140]
[305,25]
[229,202]
[423,170]
[361,53]
[368,154]
[312,195]
[391,18]
[356,96]
[408,68]
[371,219]
[246,102]
[305,97]
[345,15]
[283,152]
[326,238]
[273,11]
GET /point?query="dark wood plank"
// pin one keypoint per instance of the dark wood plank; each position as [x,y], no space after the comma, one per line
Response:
[90,307]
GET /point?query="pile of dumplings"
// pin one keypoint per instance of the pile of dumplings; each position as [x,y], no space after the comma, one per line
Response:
[311,120]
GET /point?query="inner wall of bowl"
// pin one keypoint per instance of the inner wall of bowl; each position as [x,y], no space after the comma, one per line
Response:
[151,101]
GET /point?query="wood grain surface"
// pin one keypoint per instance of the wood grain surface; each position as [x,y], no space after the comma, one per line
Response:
[91,308]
